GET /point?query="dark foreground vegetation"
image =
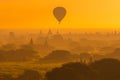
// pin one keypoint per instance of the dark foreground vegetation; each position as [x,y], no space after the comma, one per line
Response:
[105,69]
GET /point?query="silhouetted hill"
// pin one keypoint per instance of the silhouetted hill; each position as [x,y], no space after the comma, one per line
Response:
[58,56]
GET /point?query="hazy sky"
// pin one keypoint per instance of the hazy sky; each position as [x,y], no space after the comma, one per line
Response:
[37,14]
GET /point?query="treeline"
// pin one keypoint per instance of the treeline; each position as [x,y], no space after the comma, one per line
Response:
[105,69]
[18,55]
[27,53]
[27,75]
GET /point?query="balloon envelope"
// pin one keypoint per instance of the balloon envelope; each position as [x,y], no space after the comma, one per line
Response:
[59,13]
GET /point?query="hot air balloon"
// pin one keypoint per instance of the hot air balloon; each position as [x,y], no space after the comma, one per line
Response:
[59,13]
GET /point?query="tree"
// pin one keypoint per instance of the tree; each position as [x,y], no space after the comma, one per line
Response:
[71,71]
[108,69]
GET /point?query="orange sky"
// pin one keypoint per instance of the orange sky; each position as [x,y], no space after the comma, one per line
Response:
[37,14]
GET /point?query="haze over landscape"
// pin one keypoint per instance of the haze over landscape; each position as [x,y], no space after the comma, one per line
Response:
[59,40]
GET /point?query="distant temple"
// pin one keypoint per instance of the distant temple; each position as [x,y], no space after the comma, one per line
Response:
[50,32]
[31,42]
[57,36]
